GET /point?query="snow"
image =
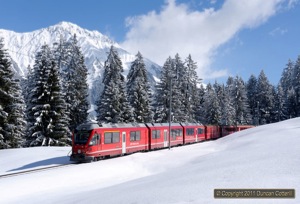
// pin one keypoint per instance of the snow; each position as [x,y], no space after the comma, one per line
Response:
[261,157]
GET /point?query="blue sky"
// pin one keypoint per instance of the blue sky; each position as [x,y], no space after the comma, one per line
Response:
[231,37]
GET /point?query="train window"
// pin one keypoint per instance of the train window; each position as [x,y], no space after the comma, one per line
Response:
[107,137]
[111,137]
[94,140]
[176,133]
[81,137]
[190,131]
[135,135]
[116,137]
[173,134]
[200,130]
[180,133]
[155,134]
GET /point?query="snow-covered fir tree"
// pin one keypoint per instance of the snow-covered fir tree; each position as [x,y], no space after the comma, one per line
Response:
[179,81]
[240,102]
[265,99]
[74,75]
[162,93]
[17,115]
[280,104]
[287,76]
[291,103]
[211,107]
[47,124]
[191,92]
[138,91]
[227,107]
[113,106]
[230,90]
[251,87]
[286,83]
[199,109]
[296,85]
[12,117]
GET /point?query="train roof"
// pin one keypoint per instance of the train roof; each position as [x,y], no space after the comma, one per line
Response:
[162,124]
[89,125]
[122,125]
[191,124]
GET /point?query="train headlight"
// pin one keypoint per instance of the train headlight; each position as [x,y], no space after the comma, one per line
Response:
[79,151]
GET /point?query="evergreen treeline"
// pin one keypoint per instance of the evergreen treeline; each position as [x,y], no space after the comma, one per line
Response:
[53,100]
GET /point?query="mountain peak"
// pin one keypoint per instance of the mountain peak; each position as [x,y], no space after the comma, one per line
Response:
[71,28]
[66,24]
[22,48]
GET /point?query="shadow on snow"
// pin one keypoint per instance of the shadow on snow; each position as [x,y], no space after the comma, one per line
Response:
[45,163]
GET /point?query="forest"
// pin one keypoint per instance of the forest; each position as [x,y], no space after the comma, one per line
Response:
[45,108]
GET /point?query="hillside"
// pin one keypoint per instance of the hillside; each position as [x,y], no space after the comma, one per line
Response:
[261,157]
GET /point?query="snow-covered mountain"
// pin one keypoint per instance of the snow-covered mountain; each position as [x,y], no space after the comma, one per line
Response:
[22,48]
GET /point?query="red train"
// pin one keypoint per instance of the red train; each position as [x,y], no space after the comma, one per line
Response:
[93,142]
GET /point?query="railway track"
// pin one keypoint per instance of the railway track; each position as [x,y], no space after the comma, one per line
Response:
[35,170]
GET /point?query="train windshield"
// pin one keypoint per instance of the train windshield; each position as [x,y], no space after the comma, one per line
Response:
[81,137]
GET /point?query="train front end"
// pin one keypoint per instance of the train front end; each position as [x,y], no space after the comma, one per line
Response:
[80,142]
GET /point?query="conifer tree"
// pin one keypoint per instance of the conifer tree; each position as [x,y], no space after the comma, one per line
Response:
[191,92]
[291,103]
[286,80]
[280,104]
[138,91]
[252,100]
[238,94]
[230,90]
[211,107]
[265,98]
[12,123]
[75,88]
[286,84]
[162,93]
[47,125]
[179,84]
[113,106]
[199,109]
[227,108]
[296,85]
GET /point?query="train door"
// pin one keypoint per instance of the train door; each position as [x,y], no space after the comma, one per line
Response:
[123,142]
[95,144]
[165,138]
[98,142]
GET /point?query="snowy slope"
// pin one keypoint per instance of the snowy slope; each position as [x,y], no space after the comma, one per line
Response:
[22,48]
[262,157]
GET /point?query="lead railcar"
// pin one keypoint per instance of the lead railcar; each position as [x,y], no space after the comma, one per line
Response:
[92,141]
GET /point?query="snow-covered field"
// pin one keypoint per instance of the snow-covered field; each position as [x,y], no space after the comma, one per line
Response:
[263,157]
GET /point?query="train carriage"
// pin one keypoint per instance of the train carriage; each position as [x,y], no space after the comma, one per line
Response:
[212,132]
[192,132]
[201,134]
[227,130]
[159,135]
[92,142]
